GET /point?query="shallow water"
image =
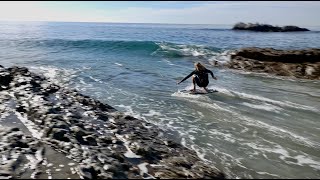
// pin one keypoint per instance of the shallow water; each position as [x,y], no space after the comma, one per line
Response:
[256,126]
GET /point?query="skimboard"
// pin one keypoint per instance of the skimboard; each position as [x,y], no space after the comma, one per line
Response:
[198,91]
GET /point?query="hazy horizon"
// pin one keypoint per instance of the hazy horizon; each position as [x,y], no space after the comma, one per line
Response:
[278,13]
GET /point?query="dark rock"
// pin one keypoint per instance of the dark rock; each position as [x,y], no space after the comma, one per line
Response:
[54,110]
[105,107]
[21,109]
[149,153]
[88,172]
[180,161]
[84,137]
[19,70]
[129,118]
[14,129]
[293,28]
[298,63]
[52,89]
[59,134]
[62,125]
[173,144]
[5,78]
[105,139]
[103,117]
[266,28]
[90,140]
[19,144]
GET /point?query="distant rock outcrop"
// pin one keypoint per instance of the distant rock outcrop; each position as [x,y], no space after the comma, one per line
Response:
[266,28]
[297,63]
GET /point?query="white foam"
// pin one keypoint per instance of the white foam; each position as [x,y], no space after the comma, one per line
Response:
[284,154]
[279,131]
[265,173]
[54,74]
[226,137]
[222,90]
[143,168]
[118,64]
[222,58]
[199,154]
[310,70]
[32,161]
[304,160]
[267,107]
[183,142]
[280,103]
[152,113]
[169,62]
[95,79]
[129,153]
[187,50]
[129,111]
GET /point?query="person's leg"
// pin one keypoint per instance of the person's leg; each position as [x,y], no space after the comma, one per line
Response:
[194,83]
[204,86]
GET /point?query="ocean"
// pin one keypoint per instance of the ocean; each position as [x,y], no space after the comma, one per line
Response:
[256,126]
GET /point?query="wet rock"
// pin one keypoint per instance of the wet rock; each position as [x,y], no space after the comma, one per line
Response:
[81,135]
[14,129]
[5,78]
[89,140]
[19,70]
[52,89]
[149,153]
[21,109]
[60,134]
[298,63]
[105,139]
[19,144]
[102,117]
[88,172]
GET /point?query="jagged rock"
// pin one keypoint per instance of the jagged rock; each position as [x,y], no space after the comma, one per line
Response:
[59,134]
[149,153]
[88,172]
[5,78]
[266,28]
[298,63]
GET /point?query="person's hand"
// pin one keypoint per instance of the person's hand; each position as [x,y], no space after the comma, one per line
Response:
[178,82]
[215,78]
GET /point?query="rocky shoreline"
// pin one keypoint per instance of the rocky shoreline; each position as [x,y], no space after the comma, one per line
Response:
[303,64]
[48,131]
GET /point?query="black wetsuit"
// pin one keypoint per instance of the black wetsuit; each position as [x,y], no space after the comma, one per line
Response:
[201,77]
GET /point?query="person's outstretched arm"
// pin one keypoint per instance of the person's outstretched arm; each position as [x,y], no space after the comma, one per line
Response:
[212,74]
[186,77]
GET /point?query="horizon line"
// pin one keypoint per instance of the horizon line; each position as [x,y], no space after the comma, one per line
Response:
[127,22]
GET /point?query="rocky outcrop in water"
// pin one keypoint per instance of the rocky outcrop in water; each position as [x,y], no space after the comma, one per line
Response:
[267,28]
[48,131]
[296,63]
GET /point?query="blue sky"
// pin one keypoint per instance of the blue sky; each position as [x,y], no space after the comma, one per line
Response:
[301,13]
